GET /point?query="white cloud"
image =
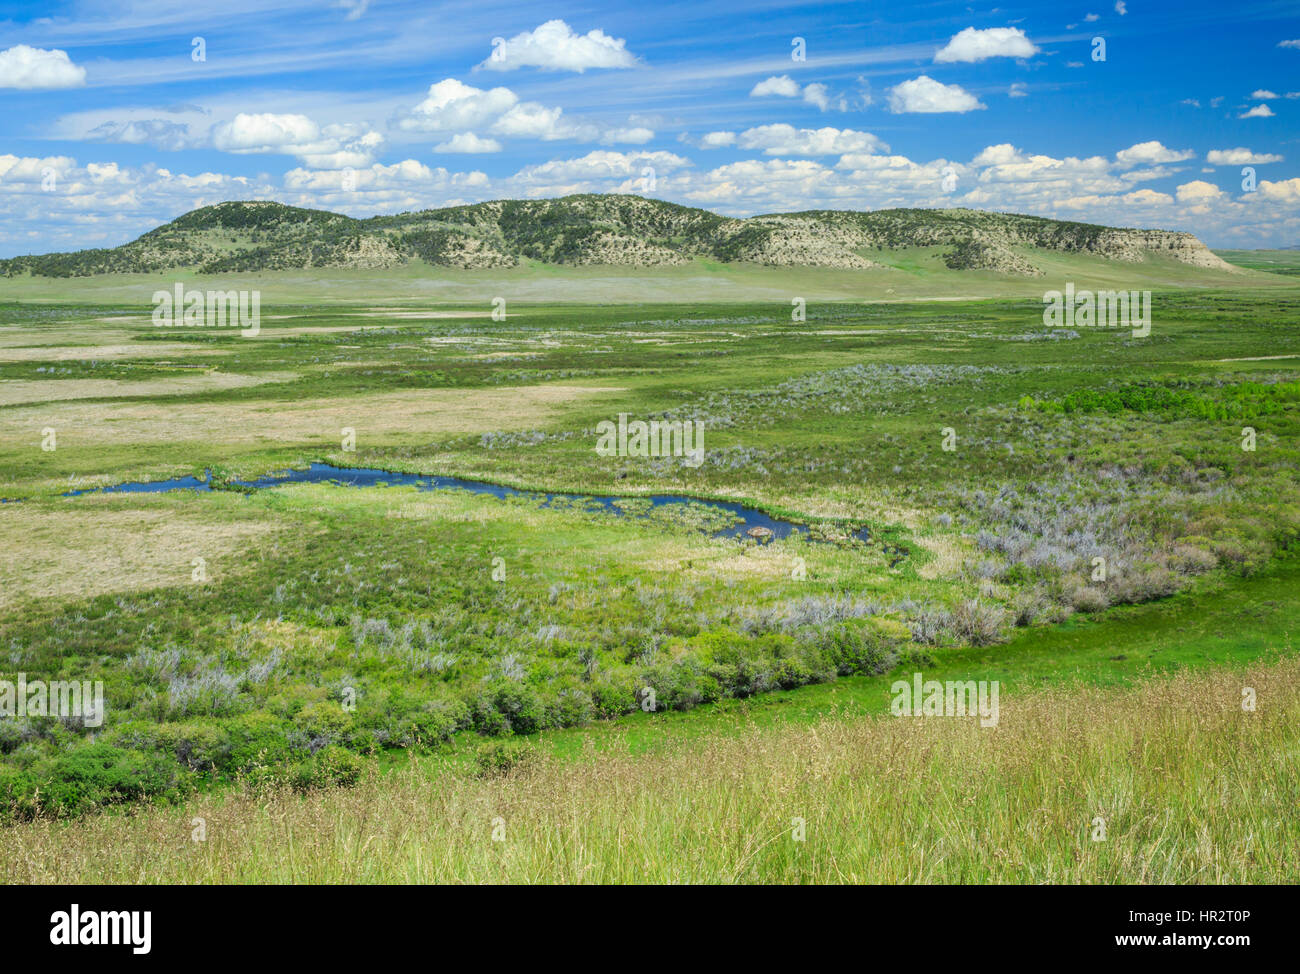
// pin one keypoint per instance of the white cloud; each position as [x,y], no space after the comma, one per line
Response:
[1121,7]
[632,135]
[452,106]
[1092,17]
[468,142]
[330,147]
[1239,157]
[998,155]
[925,95]
[1018,89]
[1263,94]
[1259,111]
[782,85]
[529,120]
[1147,196]
[34,67]
[264,132]
[555,46]
[1151,153]
[600,171]
[786,140]
[978,45]
[1295,43]
[407,173]
[715,140]
[1198,191]
[817,94]
[1285,191]
[146,131]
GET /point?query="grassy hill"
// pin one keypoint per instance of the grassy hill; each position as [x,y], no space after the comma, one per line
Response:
[605,231]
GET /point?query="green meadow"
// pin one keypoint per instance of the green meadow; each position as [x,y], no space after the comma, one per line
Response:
[1090,518]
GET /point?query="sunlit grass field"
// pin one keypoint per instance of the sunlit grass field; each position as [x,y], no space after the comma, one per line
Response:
[1169,781]
[1041,506]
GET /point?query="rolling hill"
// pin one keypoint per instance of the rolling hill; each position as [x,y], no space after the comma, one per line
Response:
[602,230]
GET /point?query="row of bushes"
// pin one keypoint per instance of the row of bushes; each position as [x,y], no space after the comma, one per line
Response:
[319,744]
[99,775]
[1242,400]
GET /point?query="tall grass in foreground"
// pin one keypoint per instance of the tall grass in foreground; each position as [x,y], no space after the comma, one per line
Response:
[1191,789]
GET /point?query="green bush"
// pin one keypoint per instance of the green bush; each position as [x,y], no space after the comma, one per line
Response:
[495,758]
[102,774]
[17,794]
[326,719]
[258,739]
[330,767]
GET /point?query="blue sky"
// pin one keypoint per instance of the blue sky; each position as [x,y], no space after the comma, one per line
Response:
[117,118]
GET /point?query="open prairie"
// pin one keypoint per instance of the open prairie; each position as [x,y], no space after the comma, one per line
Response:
[1102,524]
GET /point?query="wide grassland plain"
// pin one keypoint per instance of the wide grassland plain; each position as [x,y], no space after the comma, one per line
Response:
[382,684]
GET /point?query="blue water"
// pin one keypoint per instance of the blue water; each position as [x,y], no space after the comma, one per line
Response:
[324,473]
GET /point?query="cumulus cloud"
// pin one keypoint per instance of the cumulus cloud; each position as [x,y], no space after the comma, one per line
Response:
[1018,89]
[1285,191]
[1239,157]
[1263,94]
[1147,197]
[327,147]
[781,85]
[1259,111]
[817,94]
[601,171]
[786,140]
[1151,153]
[1198,191]
[556,46]
[710,140]
[468,142]
[146,131]
[34,67]
[632,135]
[925,95]
[407,173]
[452,105]
[979,45]
[1295,43]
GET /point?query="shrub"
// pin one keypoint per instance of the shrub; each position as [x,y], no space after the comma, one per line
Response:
[101,774]
[496,758]
[977,623]
[17,794]
[330,767]
[325,722]
[1085,598]
[258,740]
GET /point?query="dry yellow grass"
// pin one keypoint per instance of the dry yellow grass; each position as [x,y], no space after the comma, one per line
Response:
[948,556]
[152,352]
[431,412]
[15,392]
[92,549]
[1189,787]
